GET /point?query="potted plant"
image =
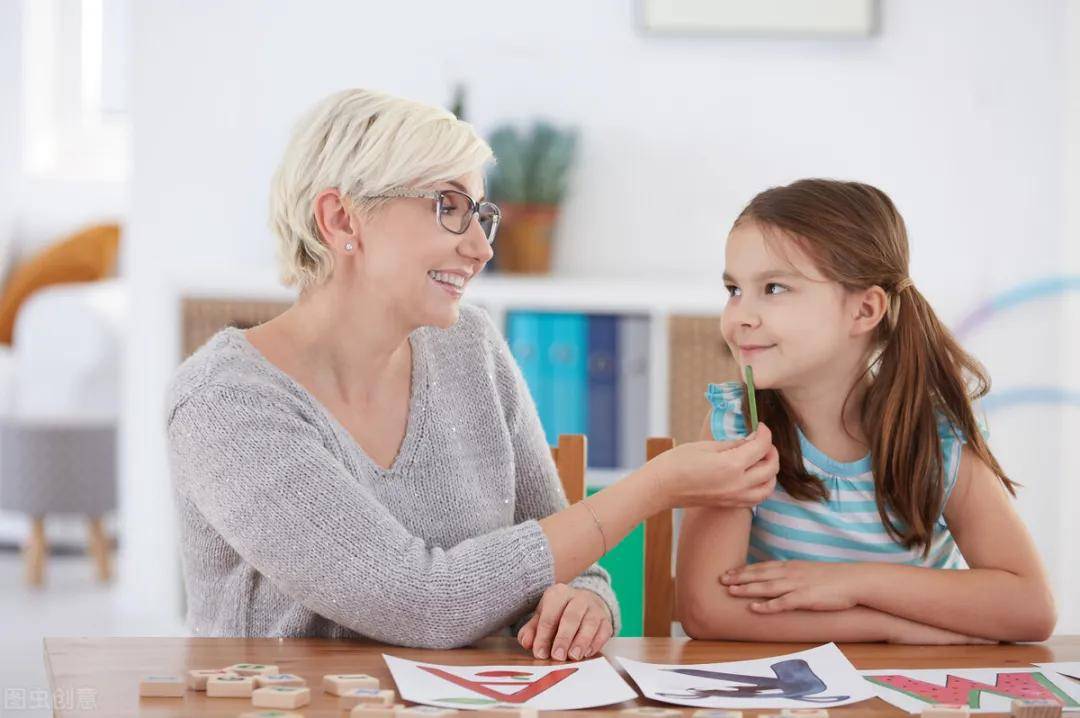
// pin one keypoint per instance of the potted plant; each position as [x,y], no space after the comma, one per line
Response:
[528,182]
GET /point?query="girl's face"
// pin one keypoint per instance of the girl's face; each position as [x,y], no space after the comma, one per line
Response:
[784,317]
[420,267]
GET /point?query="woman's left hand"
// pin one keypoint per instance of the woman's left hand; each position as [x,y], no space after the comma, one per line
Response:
[794,585]
[570,623]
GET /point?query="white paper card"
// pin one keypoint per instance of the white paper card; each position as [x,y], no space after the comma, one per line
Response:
[818,677]
[1070,669]
[983,690]
[566,686]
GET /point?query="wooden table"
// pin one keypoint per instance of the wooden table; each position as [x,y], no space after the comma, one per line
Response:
[100,676]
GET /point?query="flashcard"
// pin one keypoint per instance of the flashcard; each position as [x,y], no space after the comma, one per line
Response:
[819,676]
[1070,669]
[982,690]
[567,686]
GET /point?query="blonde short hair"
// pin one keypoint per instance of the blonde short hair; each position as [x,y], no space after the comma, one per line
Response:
[362,143]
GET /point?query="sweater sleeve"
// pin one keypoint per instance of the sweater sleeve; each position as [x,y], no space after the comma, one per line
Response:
[261,476]
[539,490]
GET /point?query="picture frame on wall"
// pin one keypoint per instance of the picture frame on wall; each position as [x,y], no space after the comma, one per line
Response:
[760,18]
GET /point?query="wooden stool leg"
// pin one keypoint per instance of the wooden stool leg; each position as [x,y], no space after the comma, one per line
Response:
[35,552]
[99,549]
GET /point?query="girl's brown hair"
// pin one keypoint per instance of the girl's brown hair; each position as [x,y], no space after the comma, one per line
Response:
[917,370]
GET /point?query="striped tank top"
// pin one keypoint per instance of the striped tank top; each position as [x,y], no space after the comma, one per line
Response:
[846,527]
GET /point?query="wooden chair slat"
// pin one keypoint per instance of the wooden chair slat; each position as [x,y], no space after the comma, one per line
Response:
[570,460]
[659,589]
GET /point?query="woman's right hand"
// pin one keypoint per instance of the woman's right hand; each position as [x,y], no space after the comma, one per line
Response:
[722,474]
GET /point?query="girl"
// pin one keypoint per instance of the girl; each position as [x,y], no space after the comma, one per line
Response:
[887,488]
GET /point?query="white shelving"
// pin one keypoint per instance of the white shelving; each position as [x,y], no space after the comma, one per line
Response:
[645,295]
[654,298]
[596,294]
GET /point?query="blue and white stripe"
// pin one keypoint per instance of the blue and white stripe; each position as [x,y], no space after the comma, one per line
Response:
[844,528]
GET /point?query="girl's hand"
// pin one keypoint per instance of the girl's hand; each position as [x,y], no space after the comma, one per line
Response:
[719,474]
[569,622]
[794,585]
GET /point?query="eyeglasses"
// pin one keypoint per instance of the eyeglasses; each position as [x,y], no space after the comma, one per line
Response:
[454,210]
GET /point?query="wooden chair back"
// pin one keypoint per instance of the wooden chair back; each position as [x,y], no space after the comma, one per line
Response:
[659,585]
[659,589]
[570,459]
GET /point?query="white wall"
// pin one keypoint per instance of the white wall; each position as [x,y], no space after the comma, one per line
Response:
[1069,496]
[956,109]
[10,48]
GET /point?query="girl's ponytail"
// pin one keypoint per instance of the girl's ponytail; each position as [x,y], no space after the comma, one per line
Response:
[921,373]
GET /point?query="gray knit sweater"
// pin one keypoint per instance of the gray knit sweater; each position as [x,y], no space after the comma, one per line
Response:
[289,529]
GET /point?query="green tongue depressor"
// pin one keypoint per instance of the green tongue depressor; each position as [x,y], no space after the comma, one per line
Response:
[749,372]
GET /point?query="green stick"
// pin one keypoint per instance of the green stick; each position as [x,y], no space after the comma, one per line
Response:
[753,397]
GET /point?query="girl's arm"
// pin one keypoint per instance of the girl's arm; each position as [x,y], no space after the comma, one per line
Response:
[712,541]
[1005,595]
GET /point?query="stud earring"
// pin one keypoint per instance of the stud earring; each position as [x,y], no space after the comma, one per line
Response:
[348,246]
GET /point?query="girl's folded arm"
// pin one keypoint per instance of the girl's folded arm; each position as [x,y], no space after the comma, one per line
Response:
[712,541]
[1004,595]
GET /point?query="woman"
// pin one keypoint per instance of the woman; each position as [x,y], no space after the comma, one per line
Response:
[369,463]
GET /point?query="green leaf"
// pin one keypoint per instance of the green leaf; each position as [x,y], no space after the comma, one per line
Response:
[531,167]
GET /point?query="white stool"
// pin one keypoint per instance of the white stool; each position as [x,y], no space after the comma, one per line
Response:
[58,467]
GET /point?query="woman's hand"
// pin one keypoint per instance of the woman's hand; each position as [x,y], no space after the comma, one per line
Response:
[569,622]
[795,585]
[720,474]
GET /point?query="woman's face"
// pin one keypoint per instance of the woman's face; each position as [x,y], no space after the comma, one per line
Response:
[418,266]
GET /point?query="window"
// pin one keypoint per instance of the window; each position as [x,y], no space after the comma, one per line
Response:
[75,71]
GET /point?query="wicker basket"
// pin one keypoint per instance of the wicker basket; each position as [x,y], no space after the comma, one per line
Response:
[203,318]
[698,355]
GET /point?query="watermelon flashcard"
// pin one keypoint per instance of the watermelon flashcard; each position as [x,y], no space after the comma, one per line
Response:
[983,690]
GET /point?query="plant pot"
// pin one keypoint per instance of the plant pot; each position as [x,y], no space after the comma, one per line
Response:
[523,245]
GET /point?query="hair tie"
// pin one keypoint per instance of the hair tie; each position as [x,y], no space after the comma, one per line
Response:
[892,313]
